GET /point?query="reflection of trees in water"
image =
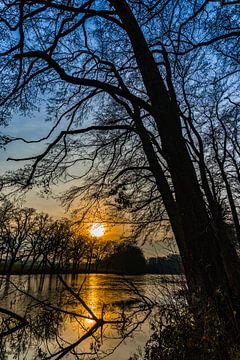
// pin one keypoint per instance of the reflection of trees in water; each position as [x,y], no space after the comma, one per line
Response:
[24,335]
[97,330]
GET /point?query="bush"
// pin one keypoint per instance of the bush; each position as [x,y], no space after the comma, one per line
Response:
[178,335]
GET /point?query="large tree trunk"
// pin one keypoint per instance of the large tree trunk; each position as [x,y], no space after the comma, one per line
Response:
[207,257]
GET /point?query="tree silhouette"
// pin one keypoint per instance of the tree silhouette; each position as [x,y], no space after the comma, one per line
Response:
[135,63]
[127,259]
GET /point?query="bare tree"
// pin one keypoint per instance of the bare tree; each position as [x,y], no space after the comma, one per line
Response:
[126,55]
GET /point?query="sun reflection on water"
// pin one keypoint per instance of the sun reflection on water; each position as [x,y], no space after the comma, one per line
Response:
[101,292]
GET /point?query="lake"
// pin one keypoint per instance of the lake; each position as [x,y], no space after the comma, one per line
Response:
[65,313]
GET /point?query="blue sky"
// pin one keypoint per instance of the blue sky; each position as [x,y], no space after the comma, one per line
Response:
[31,128]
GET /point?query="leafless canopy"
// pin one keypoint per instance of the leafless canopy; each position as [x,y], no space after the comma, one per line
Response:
[77,59]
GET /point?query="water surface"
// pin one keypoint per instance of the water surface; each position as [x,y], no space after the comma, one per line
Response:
[58,318]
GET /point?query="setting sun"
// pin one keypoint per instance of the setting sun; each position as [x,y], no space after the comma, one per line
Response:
[97,230]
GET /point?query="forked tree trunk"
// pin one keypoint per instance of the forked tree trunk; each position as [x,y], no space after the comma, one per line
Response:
[210,261]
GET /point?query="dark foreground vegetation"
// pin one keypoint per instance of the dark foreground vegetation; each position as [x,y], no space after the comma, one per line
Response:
[177,335]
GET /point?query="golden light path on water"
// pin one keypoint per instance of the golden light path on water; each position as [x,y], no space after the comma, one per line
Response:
[126,328]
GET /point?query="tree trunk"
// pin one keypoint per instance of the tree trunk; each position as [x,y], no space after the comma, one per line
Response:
[204,254]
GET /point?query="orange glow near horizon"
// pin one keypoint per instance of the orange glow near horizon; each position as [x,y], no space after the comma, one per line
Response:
[97,230]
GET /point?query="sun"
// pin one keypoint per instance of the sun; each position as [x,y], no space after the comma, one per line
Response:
[97,230]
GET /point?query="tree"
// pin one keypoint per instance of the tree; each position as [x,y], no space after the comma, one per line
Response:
[15,231]
[130,56]
[127,258]
[76,251]
[37,242]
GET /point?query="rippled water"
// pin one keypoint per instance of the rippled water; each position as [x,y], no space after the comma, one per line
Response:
[58,318]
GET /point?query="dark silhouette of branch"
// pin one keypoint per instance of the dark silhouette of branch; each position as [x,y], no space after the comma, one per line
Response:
[110,89]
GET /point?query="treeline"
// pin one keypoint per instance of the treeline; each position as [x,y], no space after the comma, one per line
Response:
[32,242]
[170,264]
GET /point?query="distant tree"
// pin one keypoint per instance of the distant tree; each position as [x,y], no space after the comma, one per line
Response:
[170,264]
[57,244]
[15,231]
[76,252]
[36,242]
[101,253]
[127,258]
